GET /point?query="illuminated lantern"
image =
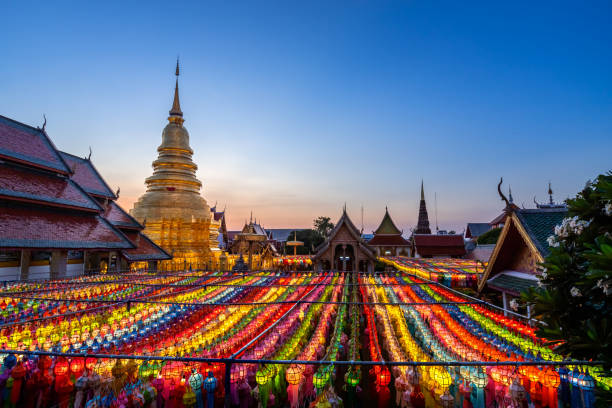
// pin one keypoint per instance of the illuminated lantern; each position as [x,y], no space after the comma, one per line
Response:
[263,375]
[293,374]
[210,384]
[90,363]
[319,379]
[77,365]
[61,367]
[196,380]
[144,371]
[352,377]
[383,378]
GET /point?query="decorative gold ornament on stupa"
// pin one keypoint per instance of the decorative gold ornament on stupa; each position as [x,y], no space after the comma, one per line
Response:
[175,215]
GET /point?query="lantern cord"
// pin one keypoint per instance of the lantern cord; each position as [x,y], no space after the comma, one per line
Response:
[232,360]
[256,338]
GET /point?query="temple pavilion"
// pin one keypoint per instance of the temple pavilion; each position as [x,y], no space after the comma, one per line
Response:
[344,249]
[388,240]
[174,214]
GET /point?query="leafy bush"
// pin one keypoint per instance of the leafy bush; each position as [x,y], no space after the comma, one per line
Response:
[489,237]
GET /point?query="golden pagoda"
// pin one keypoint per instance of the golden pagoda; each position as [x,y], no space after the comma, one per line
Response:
[174,213]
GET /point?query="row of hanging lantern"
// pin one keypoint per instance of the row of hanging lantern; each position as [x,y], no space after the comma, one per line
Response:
[542,383]
[449,272]
[311,342]
[192,323]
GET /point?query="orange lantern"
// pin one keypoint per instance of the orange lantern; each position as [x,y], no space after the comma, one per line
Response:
[61,367]
[293,374]
[77,365]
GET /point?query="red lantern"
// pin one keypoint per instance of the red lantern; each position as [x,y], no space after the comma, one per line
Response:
[77,365]
[384,377]
[90,363]
[61,367]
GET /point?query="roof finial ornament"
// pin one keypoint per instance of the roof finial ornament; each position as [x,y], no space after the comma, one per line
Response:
[503,197]
[89,156]
[44,123]
[422,191]
[176,115]
[251,219]
[118,191]
[510,195]
[550,194]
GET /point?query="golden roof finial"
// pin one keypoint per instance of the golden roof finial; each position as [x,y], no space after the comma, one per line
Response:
[176,115]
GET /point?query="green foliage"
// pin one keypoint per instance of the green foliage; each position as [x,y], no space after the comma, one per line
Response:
[489,237]
[311,239]
[323,226]
[577,278]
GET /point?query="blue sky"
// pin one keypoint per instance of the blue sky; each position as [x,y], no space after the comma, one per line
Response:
[297,107]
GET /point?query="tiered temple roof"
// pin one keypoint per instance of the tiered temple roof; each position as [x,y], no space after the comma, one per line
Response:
[423,222]
[387,234]
[87,176]
[41,206]
[93,182]
[54,200]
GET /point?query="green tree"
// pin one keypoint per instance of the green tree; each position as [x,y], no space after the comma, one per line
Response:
[576,278]
[489,237]
[311,239]
[323,226]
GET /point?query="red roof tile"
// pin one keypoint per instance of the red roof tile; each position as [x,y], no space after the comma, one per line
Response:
[119,218]
[86,176]
[435,245]
[21,183]
[146,250]
[388,240]
[29,227]
[29,145]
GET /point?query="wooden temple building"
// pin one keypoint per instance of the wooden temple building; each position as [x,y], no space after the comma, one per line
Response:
[58,217]
[388,239]
[521,247]
[254,242]
[344,249]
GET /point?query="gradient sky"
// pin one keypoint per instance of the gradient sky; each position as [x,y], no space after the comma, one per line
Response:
[297,107]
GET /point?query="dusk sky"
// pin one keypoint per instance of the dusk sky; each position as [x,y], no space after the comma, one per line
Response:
[295,108]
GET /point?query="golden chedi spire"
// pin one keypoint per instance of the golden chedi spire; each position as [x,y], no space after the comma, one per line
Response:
[176,115]
[178,217]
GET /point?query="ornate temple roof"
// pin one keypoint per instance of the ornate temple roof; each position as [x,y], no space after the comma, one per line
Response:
[540,224]
[25,144]
[346,222]
[32,185]
[39,227]
[387,234]
[387,226]
[120,218]
[87,176]
[146,250]
[525,228]
[423,221]
[388,240]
